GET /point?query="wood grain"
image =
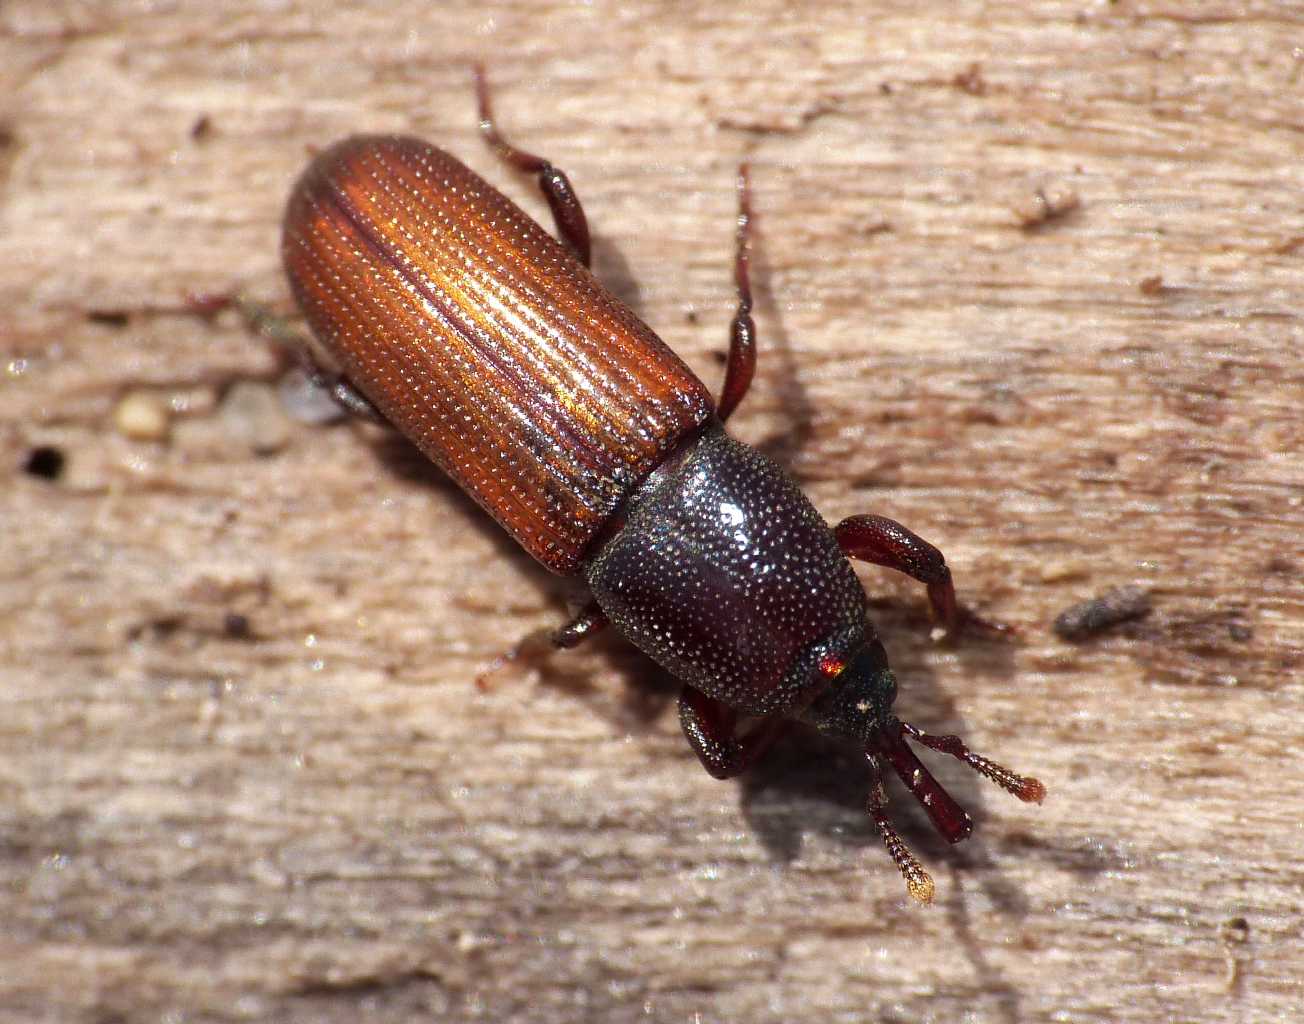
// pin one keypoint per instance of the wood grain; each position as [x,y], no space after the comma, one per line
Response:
[1029,281]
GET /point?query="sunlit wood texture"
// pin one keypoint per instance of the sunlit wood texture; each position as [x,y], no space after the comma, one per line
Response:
[244,769]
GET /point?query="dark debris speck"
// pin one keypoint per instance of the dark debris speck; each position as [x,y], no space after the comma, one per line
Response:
[1121,604]
[115,318]
[45,462]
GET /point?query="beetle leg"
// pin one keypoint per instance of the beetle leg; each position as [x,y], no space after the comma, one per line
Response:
[347,397]
[567,212]
[742,335]
[588,620]
[534,647]
[887,543]
[288,344]
[918,881]
[710,727]
[291,346]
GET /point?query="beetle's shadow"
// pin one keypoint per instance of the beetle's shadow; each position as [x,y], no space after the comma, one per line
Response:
[405,461]
[612,269]
[809,784]
[774,342]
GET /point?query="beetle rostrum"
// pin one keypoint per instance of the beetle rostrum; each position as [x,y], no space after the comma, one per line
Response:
[490,345]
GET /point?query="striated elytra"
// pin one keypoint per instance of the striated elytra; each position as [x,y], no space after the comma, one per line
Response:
[491,346]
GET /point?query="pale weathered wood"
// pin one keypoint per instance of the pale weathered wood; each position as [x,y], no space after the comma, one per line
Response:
[325,819]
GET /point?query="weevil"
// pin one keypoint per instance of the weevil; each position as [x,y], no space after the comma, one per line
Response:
[490,345]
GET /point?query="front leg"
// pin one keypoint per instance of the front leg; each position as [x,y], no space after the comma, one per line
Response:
[886,542]
[711,729]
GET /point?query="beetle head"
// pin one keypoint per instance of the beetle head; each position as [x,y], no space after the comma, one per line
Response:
[859,705]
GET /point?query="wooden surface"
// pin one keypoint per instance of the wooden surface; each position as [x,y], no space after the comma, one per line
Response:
[319,818]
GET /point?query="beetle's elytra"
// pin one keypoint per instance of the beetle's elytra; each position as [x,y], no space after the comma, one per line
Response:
[492,348]
[481,339]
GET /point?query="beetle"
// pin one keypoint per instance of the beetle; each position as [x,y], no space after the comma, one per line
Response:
[488,343]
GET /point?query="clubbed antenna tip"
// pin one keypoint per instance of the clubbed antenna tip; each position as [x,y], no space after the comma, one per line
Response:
[1025,787]
[919,883]
[1033,791]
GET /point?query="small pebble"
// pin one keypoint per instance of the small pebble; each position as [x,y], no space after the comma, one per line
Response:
[142,416]
[251,415]
[1046,204]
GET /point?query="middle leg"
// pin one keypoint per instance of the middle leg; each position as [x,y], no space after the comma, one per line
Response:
[886,542]
[567,212]
[711,730]
[535,647]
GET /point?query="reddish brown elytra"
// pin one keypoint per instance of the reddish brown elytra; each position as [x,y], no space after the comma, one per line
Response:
[491,346]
